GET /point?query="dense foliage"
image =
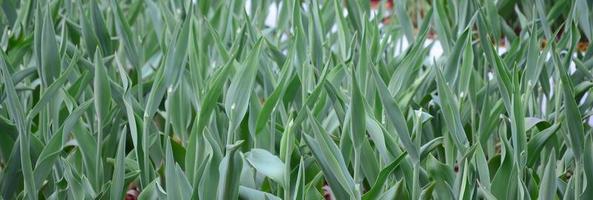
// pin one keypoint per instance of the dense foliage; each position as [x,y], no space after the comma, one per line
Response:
[335,99]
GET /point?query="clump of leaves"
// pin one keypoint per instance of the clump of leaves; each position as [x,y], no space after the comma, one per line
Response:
[213,100]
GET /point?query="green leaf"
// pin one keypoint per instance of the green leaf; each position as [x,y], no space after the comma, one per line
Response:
[125,36]
[51,91]
[253,194]
[395,116]
[151,191]
[274,98]
[267,164]
[172,68]
[547,189]
[375,190]
[588,164]
[102,92]
[100,28]
[239,92]
[357,126]
[572,114]
[404,19]
[332,163]
[15,109]
[102,89]
[117,182]
[177,185]
[450,110]
[47,157]
[230,169]
[537,143]
[50,65]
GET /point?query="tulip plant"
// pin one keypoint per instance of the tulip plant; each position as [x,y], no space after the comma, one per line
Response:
[296,99]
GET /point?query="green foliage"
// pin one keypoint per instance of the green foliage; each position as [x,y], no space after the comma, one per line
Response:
[210,100]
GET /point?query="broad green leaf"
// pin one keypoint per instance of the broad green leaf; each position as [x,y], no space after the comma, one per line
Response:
[50,65]
[332,163]
[177,185]
[117,182]
[537,143]
[450,110]
[274,98]
[102,92]
[230,169]
[47,157]
[572,114]
[151,191]
[375,190]
[102,89]
[172,68]
[125,35]
[15,109]
[239,92]
[253,194]
[404,19]
[267,164]
[588,165]
[52,90]
[100,28]
[547,189]
[395,116]
[357,126]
